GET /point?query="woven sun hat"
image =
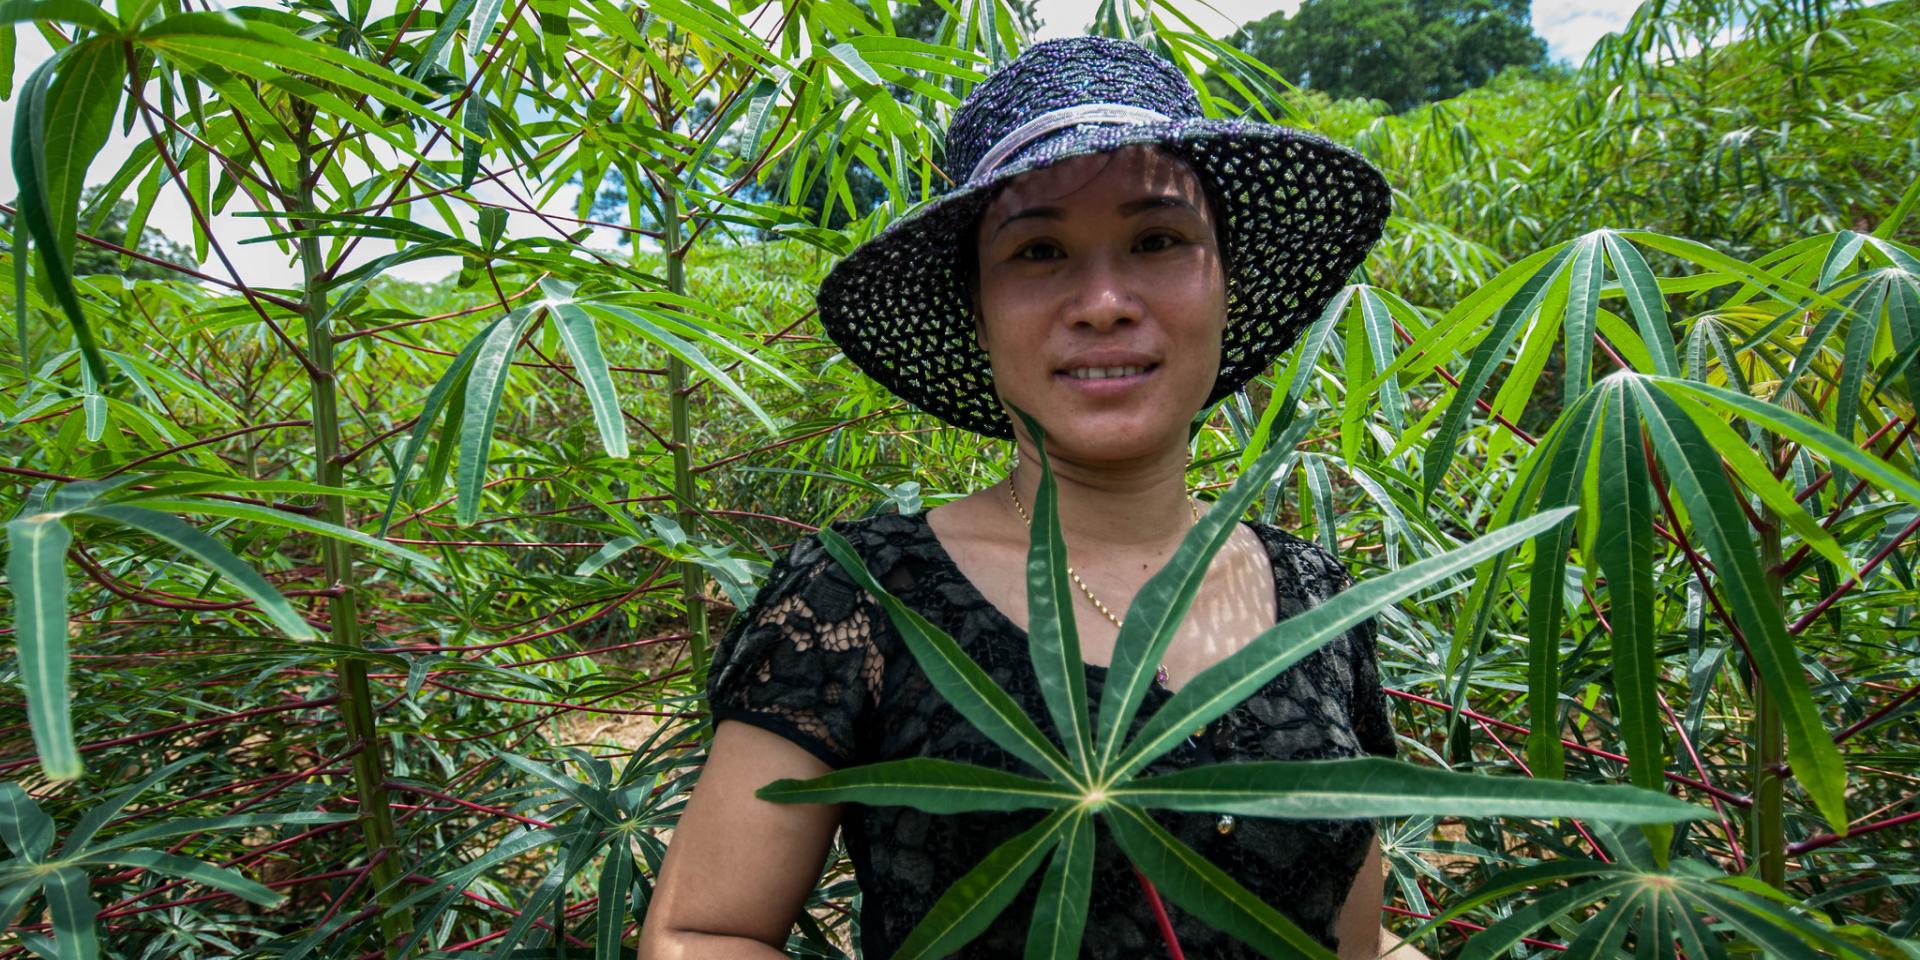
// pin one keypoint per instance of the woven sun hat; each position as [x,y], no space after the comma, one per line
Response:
[1298,213]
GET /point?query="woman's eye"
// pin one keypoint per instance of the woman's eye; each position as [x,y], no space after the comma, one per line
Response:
[1039,250]
[1155,242]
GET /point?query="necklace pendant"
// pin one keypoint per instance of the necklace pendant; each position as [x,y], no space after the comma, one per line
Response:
[1160,675]
[1224,825]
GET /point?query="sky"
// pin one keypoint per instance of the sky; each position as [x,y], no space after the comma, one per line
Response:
[1570,28]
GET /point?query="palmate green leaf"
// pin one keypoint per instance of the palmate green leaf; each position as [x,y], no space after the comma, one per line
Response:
[1601,934]
[610,920]
[1060,909]
[1533,914]
[100,814]
[971,904]
[37,576]
[1583,302]
[70,902]
[1649,308]
[1215,690]
[1195,885]
[1501,333]
[486,384]
[645,328]
[1693,466]
[1053,639]
[923,783]
[293,521]
[1566,450]
[187,868]
[1153,617]
[24,827]
[59,128]
[955,676]
[178,533]
[582,839]
[1624,548]
[595,800]
[582,339]
[1374,787]
[452,382]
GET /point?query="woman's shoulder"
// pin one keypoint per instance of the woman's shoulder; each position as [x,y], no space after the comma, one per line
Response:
[1303,562]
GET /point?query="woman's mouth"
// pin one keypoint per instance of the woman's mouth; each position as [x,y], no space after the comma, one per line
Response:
[1107,379]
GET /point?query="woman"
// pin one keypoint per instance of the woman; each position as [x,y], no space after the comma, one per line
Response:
[1111,264]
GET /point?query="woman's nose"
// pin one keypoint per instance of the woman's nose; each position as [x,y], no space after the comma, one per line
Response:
[1104,295]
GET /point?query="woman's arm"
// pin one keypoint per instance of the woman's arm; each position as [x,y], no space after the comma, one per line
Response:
[1362,937]
[739,868]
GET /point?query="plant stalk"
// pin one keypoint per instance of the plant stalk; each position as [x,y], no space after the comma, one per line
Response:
[343,607]
[691,576]
[1769,737]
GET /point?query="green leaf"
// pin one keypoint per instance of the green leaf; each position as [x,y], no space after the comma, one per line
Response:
[633,320]
[1215,690]
[1053,640]
[1506,326]
[583,345]
[294,521]
[936,786]
[1533,914]
[610,919]
[1648,305]
[187,868]
[954,674]
[1568,447]
[73,910]
[1195,885]
[970,905]
[1583,302]
[207,550]
[1154,616]
[453,381]
[99,814]
[24,827]
[1060,911]
[47,147]
[614,550]
[1375,787]
[37,575]
[1624,548]
[597,801]
[486,384]
[1719,524]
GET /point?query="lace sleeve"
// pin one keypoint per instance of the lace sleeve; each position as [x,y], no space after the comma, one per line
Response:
[801,660]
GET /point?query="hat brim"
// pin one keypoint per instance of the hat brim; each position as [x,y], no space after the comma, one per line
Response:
[1301,213]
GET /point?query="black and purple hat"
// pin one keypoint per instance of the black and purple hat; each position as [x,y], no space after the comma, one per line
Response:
[1298,215]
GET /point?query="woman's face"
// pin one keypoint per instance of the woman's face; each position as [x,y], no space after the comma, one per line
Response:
[1102,301]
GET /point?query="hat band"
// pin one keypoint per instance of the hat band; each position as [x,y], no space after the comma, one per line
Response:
[1052,120]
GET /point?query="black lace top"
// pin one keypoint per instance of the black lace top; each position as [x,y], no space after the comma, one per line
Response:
[816,660]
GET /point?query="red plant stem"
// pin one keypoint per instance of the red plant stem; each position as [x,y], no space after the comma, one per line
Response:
[1821,480]
[1726,825]
[704,467]
[456,801]
[169,265]
[1813,614]
[178,727]
[1466,925]
[1829,839]
[1160,916]
[1522,764]
[1733,798]
[558,704]
[1874,717]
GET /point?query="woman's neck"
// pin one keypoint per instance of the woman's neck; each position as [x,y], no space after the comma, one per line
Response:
[1130,504]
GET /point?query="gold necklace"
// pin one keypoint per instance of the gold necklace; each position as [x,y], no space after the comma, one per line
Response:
[1159,676]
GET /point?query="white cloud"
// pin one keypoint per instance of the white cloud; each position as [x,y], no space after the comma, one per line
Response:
[1066,18]
[1571,29]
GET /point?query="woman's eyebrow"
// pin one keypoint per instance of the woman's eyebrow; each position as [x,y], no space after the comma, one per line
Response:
[1130,208]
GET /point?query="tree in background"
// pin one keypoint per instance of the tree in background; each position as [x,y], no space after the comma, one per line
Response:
[1405,52]
[111,225]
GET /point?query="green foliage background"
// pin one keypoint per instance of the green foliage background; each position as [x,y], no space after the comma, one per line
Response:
[360,615]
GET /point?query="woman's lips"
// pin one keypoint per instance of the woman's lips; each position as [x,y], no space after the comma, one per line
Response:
[1106,386]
